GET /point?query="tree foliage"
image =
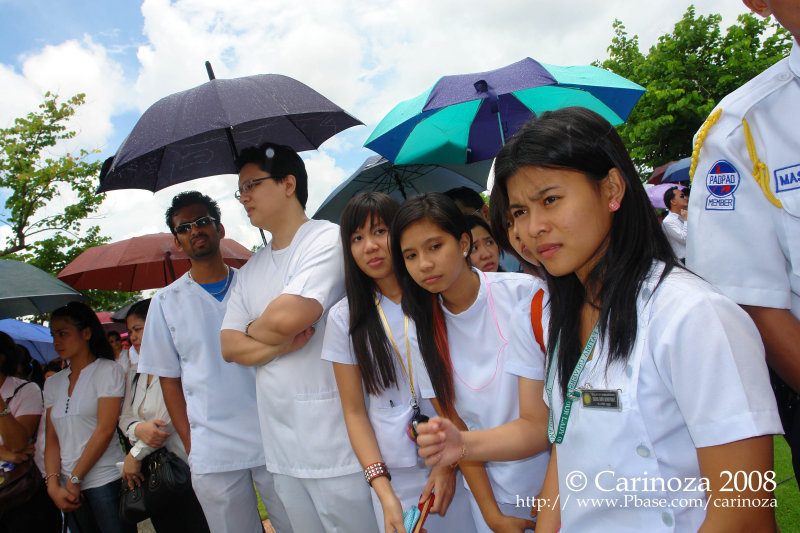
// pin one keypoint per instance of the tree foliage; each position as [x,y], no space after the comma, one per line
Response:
[686,73]
[50,197]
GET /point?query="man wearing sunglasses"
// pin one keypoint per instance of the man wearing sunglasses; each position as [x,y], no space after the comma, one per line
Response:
[211,403]
[674,223]
[276,321]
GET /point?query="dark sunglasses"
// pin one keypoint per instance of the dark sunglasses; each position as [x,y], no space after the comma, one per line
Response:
[201,222]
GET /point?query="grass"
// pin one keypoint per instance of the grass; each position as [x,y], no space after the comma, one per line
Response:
[787,495]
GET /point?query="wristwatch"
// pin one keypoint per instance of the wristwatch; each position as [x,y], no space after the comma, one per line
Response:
[75,480]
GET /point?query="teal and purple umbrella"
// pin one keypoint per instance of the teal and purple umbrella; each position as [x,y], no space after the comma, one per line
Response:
[468,117]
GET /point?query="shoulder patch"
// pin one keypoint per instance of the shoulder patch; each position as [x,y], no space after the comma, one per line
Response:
[722,181]
[787,178]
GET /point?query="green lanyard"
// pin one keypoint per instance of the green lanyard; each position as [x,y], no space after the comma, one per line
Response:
[571,395]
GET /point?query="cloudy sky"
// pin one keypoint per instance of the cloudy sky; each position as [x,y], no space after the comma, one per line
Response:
[365,56]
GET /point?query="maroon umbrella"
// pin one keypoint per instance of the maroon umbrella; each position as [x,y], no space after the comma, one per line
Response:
[146,262]
[658,173]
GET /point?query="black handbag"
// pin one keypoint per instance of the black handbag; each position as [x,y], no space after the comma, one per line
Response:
[132,504]
[19,484]
[165,476]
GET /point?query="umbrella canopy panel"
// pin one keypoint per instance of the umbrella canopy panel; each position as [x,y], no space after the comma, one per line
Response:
[187,135]
[401,182]
[678,172]
[656,193]
[37,339]
[467,118]
[146,262]
[27,290]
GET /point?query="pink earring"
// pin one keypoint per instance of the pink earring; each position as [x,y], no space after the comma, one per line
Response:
[613,205]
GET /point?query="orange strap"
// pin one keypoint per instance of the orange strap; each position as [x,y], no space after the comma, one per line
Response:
[536,318]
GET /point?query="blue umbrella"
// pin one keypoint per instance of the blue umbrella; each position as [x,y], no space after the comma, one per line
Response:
[37,339]
[677,172]
[401,182]
[467,118]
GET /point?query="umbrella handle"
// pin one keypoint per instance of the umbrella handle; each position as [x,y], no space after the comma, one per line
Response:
[170,269]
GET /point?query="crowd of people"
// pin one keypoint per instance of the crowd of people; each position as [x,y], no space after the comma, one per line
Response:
[491,365]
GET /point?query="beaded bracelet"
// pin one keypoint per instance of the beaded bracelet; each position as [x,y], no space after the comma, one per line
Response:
[376,470]
[48,476]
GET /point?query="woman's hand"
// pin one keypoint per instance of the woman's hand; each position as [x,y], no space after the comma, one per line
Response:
[442,482]
[16,457]
[511,524]
[132,471]
[150,432]
[62,498]
[440,442]
[393,515]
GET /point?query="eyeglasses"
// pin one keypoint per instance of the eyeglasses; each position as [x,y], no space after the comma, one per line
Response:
[248,185]
[201,222]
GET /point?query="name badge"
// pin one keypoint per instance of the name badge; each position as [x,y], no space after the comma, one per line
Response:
[601,399]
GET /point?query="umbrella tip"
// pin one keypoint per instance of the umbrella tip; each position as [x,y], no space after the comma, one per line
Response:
[210,71]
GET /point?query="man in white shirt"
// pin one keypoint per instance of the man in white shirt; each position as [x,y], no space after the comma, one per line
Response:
[275,321]
[745,223]
[674,223]
[211,402]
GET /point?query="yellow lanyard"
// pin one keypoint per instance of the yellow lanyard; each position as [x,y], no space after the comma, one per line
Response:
[409,372]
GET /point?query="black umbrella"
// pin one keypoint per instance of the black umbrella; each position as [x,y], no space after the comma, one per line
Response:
[197,133]
[27,290]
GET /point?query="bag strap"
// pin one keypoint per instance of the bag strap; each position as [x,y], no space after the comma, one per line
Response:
[536,318]
[8,400]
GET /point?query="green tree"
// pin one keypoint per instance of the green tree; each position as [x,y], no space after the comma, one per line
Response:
[50,197]
[686,73]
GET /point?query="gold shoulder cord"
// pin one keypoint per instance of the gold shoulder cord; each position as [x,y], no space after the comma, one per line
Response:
[760,170]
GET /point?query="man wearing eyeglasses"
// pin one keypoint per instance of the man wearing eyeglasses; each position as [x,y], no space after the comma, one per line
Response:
[276,321]
[674,223]
[211,403]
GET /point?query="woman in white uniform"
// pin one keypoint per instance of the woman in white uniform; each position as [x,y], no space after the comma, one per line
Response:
[464,325]
[82,405]
[373,347]
[660,406]
[146,422]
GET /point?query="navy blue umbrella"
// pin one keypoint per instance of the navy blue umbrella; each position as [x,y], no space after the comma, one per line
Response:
[199,132]
[677,172]
[402,181]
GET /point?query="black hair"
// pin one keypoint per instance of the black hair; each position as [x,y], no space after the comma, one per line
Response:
[473,221]
[56,365]
[278,161]
[27,368]
[669,194]
[466,196]
[139,309]
[113,335]
[578,139]
[423,307]
[8,356]
[371,345]
[185,199]
[82,317]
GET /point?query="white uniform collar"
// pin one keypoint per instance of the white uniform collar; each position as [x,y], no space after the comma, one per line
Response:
[794,59]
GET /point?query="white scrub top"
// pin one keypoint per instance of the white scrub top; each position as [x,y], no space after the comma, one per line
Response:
[181,340]
[390,411]
[486,396]
[302,423]
[696,377]
[675,228]
[75,420]
[738,240]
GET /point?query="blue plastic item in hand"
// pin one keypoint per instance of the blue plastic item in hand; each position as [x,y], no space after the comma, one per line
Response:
[410,518]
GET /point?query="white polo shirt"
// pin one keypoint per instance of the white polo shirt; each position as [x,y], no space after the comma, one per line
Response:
[299,408]
[75,420]
[675,229]
[738,240]
[181,340]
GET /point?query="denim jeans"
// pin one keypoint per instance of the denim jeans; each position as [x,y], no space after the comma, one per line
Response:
[99,508]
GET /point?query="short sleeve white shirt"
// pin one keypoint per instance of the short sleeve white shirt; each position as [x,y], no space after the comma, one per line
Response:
[739,241]
[74,417]
[390,411]
[486,395]
[181,340]
[696,377]
[27,400]
[298,401]
[675,229]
